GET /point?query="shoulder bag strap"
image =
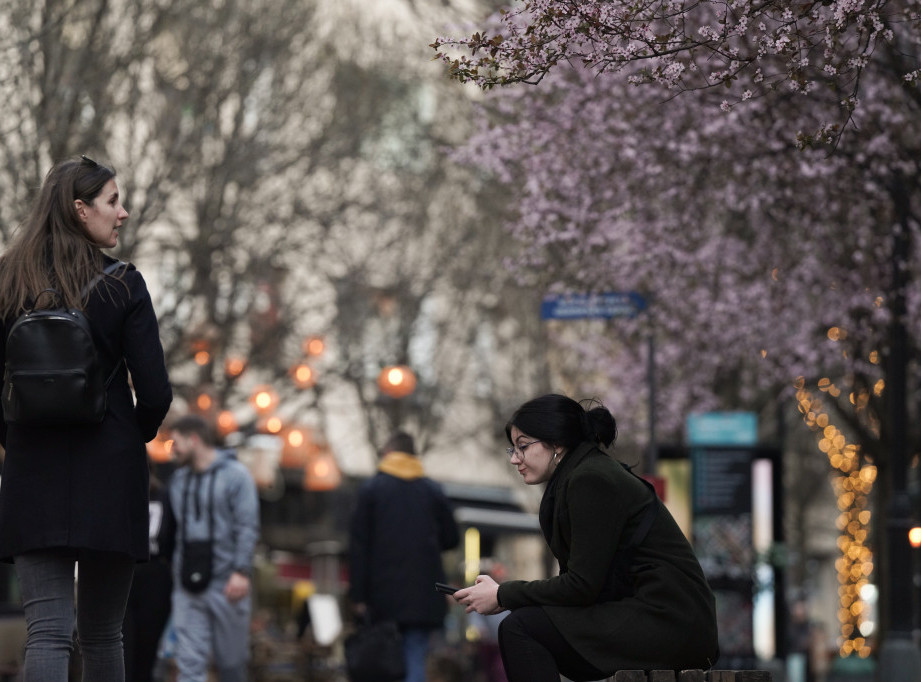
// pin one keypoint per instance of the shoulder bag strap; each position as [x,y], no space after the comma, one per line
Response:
[211,501]
[185,502]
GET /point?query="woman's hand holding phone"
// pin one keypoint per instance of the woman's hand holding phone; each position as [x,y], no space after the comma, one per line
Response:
[481,596]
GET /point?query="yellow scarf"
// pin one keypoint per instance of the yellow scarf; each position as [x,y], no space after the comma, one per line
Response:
[401,465]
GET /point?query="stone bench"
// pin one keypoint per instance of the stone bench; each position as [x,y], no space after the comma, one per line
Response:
[692,676]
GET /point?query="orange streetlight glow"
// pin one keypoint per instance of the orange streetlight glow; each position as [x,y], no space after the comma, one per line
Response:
[233,367]
[263,399]
[314,345]
[304,376]
[160,448]
[396,381]
[295,438]
[914,537]
[226,422]
[321,472]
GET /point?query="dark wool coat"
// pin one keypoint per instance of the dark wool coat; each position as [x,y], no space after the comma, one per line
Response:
[591,506]
[86,487]
[401,525]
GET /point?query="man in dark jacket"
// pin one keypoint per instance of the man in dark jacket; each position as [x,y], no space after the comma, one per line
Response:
[401,524]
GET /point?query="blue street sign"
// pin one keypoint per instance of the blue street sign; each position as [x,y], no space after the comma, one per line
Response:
[604,305]
[723,428]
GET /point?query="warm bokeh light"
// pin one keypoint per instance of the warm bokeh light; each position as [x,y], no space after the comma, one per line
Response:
[226,422]
[295,438]
[914,536]
[304,376]
[396,381]
[322,472]
[202,358]
[264,399]
[204,402]
[160,449]
[297,445]
[273,425]
[314,345]
[233,366]
[471,555]
[852,484]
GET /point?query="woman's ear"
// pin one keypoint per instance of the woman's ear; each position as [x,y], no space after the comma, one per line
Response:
[80,207]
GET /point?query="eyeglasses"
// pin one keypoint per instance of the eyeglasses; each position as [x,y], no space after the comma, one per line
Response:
[519,449]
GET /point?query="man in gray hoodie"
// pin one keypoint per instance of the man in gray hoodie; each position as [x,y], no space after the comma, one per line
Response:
[213,516]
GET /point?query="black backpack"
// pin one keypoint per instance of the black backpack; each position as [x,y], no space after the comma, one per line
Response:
[53,376]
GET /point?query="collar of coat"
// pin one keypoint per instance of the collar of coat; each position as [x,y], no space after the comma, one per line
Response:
[574,456]
[401,465]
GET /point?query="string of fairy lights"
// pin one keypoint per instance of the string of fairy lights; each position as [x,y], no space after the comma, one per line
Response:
[853,482]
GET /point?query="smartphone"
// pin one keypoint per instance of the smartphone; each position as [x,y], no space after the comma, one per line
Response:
[447,589]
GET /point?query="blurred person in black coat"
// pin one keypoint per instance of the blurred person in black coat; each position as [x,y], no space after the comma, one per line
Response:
[401,525]
[150,599]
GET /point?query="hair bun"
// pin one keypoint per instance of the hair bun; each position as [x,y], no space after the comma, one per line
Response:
[603,425]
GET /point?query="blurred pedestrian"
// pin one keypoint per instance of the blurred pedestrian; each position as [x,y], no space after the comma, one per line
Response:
[212,526]
[149,599]
[630,593]
[78,494]
[799,644]
[401,525]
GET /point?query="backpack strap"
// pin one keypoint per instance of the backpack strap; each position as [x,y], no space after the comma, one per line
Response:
[84,292]
[33,302]
[108,270]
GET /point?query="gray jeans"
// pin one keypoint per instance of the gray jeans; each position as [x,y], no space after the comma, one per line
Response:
[46,581]
[211,628]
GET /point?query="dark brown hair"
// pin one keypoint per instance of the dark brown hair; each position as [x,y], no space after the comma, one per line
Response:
[51,249]
[193,424]
[399,442]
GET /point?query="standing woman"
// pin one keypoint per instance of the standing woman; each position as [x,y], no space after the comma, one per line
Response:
[78,494]
[630,594]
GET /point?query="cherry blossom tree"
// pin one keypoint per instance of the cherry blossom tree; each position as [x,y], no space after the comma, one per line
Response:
[751,48]
[772,222]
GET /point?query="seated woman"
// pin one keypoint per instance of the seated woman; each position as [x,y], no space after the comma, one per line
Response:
[630,594]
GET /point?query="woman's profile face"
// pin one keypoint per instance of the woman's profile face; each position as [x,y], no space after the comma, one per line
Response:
[104,216]
[532,457]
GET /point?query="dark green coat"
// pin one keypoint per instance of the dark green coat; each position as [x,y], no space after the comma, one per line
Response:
[592,506]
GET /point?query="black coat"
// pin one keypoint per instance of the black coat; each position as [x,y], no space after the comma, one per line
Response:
[591,507]
[86,487]
[398,531]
